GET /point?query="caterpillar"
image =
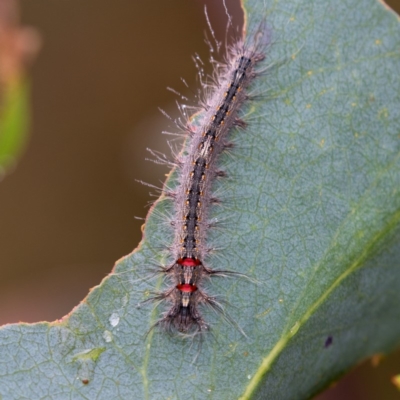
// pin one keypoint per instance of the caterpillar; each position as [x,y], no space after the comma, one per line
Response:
[208,137]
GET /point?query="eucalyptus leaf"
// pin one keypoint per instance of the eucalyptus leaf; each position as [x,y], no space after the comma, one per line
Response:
[311,215]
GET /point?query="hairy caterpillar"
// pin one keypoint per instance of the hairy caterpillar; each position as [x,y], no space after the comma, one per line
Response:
[197,169]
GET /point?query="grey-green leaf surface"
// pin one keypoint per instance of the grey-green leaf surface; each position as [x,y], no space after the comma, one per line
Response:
[311,215]
[14,118]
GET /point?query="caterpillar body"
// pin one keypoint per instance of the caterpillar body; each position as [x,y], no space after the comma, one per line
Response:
[198,168]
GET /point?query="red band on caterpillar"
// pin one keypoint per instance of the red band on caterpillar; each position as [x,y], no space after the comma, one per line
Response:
[188,262]
[186,288]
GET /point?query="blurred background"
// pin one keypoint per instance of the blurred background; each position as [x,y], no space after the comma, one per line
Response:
[67,211]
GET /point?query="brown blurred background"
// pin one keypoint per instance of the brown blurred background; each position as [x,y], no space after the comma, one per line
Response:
[68,210]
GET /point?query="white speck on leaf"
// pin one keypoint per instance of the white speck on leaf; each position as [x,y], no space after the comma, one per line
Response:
[107,336]
[114,319]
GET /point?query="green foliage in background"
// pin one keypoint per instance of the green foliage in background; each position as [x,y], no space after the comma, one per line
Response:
[14,119]
[311,214]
